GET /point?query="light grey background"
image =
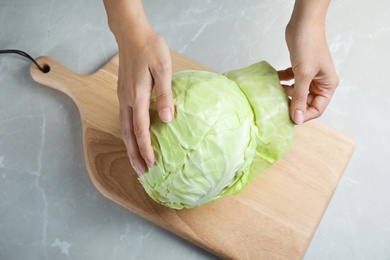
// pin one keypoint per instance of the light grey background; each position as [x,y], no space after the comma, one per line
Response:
[49,208]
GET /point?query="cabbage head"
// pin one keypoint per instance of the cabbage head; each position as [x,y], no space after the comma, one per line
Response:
[227,130]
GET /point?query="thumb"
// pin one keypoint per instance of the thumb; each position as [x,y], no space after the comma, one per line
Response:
[299,99]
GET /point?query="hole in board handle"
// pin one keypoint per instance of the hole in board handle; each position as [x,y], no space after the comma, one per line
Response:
[45,68]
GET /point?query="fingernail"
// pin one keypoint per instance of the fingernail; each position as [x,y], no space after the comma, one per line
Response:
[298,117]
[148,162]
[165,115]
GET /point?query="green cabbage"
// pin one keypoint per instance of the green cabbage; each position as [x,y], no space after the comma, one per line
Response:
[226,131]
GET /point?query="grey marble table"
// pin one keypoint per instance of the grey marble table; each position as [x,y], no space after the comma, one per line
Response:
[49,208]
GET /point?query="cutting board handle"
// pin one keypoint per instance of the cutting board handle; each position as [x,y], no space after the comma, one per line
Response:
[58,77]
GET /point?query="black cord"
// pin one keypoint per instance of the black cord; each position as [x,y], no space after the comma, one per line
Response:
[44,69]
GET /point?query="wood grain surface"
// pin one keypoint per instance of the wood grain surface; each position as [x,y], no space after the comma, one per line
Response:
[275,217]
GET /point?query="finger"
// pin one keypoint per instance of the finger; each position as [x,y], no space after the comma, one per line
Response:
[309,100]
[141,124]
[299,99]
[288,89]
[162,76]
[136,160]
[316,105]
[285,75]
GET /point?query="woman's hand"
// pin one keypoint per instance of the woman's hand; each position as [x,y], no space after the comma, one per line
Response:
[142,66]
[144,63]
[312,69]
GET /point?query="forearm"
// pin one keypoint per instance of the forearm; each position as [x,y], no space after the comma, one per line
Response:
[127,20]
[312,11]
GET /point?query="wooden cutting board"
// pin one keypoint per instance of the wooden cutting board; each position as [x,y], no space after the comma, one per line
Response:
[275,217]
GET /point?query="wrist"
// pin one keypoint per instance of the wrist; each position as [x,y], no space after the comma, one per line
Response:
[309,12]
[127,21]
[129,35]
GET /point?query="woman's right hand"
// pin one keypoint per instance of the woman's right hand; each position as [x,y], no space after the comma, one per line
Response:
[144,63]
